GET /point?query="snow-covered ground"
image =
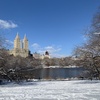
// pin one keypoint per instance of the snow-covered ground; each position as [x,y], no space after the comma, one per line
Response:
[52,90]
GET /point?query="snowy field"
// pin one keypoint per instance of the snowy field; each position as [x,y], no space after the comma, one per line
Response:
[52,90]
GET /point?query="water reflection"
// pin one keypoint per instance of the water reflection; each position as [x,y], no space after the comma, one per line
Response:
[55,73]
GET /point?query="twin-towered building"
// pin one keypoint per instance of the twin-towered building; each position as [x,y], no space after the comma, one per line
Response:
[21,49]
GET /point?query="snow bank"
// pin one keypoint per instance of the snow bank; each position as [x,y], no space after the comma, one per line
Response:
[52,90]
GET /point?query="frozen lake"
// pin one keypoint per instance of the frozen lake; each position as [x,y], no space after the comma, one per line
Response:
[52,90]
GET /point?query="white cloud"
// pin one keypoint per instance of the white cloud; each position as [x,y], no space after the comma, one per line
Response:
[7,24]
[9,42]
[58,55]
[36,46]
[52,49]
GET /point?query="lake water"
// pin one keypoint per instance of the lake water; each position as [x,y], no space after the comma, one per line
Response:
[55,73]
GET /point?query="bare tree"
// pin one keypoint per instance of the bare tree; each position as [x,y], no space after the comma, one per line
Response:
[89,53]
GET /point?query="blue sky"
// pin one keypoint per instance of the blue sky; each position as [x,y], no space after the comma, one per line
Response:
[53,25]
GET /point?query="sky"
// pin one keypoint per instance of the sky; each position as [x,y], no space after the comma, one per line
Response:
[53,25]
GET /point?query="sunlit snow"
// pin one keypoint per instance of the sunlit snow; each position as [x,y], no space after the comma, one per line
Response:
[52,90]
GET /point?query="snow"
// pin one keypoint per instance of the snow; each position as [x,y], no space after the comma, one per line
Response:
[52,90]
[60,66]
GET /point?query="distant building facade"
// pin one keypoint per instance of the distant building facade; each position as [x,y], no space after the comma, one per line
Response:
[46,55]
[20,47]
[39,56]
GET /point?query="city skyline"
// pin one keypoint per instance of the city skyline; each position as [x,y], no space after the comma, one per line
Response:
[50,25]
